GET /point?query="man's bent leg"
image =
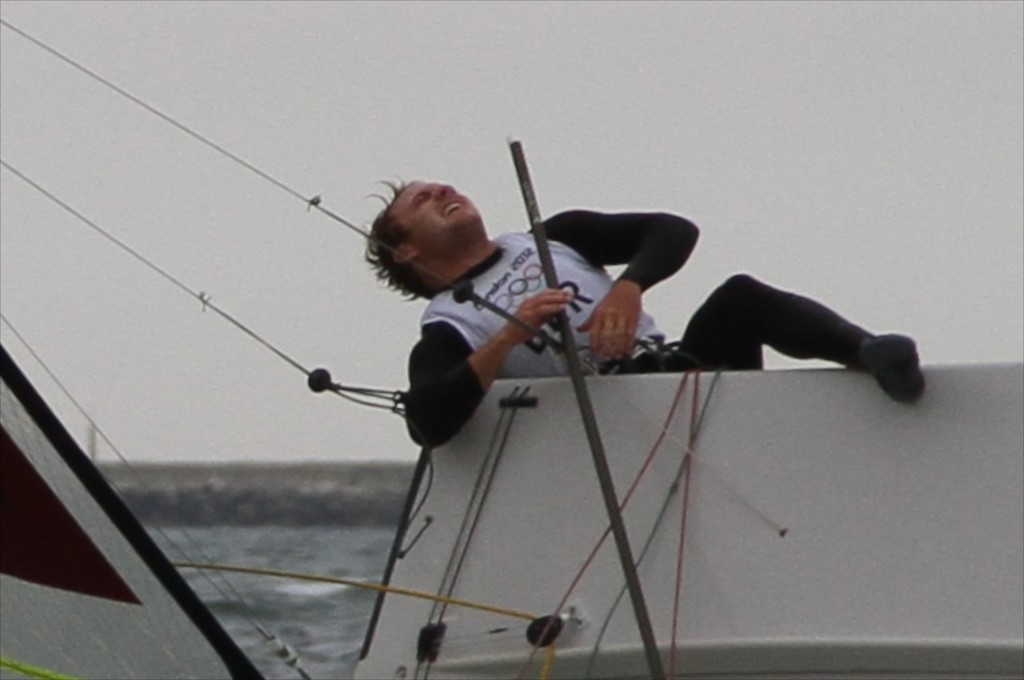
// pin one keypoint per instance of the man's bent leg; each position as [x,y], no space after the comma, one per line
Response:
[743,314]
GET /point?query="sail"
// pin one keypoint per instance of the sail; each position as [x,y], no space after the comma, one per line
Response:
[84,591]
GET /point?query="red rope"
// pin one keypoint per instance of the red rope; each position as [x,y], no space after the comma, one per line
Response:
[622,506]
[657,442]
[688,462]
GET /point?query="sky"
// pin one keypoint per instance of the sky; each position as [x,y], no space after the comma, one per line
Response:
[869,155]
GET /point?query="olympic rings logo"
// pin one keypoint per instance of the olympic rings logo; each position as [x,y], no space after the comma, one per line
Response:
[531,280]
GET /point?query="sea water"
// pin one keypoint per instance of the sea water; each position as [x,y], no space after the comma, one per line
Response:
[324,623]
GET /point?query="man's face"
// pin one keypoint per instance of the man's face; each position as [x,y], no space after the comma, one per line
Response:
[435,216]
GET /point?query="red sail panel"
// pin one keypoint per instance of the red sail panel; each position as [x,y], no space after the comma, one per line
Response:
[39,539]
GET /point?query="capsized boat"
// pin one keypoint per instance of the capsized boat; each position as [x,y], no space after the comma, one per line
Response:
[785,524]
[84,591]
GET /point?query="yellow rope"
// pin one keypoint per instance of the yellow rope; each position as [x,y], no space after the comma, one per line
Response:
[32,671]
[368,585]
[549,660]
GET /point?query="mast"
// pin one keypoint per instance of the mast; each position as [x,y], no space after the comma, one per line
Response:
[604,476]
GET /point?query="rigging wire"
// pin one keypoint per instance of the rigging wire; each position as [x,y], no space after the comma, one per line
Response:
[474,508]
[155,111]
[203,297]
[481,490]
[392,398]
[313,202]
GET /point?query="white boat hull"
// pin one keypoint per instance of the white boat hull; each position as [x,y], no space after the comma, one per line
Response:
[903,553]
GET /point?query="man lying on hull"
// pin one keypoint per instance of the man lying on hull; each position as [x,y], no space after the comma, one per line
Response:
[429,239]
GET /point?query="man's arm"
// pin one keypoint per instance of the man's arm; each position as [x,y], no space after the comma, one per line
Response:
[653,246]
[448,380]
[443,390]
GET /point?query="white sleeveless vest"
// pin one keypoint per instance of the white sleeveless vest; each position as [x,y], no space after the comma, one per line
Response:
[515,277]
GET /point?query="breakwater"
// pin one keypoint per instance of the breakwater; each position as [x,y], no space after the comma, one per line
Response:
[339,494]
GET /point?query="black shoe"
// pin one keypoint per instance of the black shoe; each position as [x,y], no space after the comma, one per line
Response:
[892,359]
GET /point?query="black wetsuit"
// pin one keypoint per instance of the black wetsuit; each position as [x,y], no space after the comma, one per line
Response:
[727,331]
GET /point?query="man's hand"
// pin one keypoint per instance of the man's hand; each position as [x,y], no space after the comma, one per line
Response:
[613,324]
[535,312]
